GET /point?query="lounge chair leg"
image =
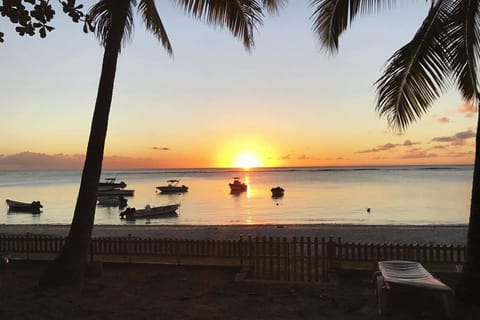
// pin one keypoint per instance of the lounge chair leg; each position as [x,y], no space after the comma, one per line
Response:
[447,298]
[381,295]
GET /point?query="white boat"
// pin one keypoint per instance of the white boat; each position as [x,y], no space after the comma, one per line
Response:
[150,212]
[172,187]
[237,186]
[17,206]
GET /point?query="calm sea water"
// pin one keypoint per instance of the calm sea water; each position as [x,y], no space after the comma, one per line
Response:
[396,195]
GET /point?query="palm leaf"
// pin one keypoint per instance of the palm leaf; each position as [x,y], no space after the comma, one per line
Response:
[154,23]
[239,16]
[463,36]
[331,17]
[416,74]
[273,6]
[102,16]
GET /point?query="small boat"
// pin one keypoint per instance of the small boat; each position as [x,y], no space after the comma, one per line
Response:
[150,212]
[17,206]
[110,183]
[277,192]
[115,192]
[237,186]
[172,187]
[112,201]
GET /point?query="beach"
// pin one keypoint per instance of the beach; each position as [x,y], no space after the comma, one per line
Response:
[435,234]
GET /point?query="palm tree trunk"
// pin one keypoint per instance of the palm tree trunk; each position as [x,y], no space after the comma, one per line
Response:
[469,283]
[70,265]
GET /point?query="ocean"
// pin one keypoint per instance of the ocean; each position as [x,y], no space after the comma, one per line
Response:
[397,195]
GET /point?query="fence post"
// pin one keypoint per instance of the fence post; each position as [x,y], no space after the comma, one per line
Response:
[129,247]
[331,254]
[240,250]
[27,245]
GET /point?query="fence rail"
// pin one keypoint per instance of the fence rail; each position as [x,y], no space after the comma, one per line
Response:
[290,259]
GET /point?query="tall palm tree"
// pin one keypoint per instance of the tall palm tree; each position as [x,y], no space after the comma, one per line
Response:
[113,20]
[445,50]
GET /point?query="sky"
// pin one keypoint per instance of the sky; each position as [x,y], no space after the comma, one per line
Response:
[284,103]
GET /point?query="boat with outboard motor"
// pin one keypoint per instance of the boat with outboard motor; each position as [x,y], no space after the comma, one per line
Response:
[237,186]
[172,187]
[150,212]
[17,206]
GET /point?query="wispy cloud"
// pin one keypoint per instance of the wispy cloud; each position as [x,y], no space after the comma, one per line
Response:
[468,109]
[161,148]
[458,138]
[303,157]
[389,146]
[443,120]
[418,154]
[42,161]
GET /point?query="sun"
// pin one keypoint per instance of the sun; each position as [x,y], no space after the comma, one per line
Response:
[246,160]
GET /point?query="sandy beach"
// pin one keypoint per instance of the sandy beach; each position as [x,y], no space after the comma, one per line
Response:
[438,234]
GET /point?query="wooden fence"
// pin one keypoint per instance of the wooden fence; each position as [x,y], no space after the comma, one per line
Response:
[289,259]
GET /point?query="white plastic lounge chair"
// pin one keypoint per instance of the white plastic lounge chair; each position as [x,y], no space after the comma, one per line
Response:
[408,274]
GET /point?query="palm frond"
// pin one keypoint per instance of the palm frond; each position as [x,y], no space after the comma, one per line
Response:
[240,16]
[154,23]
[112,17]
[417,73]
[331,17]
[273,6]
[463,36]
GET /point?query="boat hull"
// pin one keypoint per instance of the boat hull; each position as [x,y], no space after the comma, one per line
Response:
[153,212]
[17,206]
[116,192]
[172,189]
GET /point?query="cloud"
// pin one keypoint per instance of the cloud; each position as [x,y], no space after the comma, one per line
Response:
[303,157]
[468,109]
[42,161]
[457,138]
[443,120]
[286,157]
[388,146]
[417,153]
[161,148]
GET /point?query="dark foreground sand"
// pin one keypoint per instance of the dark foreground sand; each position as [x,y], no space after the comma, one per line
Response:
[129,291]
[139,291]
[445,234]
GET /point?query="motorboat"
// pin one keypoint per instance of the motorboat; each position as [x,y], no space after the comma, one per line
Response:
[172,187]
[150,212]
[115,192]
[110,183]
[17,206]
[277,192]
[237,186]
[112,201]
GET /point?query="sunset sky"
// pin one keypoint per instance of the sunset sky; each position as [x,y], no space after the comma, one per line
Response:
[285,103]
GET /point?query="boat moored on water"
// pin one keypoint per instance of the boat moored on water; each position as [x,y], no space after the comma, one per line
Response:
[110,183]
[17,206]
[112,201]
[115,192]
[277,192]
[237,186]
[150,212]
[172,187]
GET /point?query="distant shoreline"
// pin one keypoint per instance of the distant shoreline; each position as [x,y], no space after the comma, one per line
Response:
[429,234]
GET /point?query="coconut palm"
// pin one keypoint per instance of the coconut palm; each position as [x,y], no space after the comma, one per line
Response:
[444,51]
[113,20]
